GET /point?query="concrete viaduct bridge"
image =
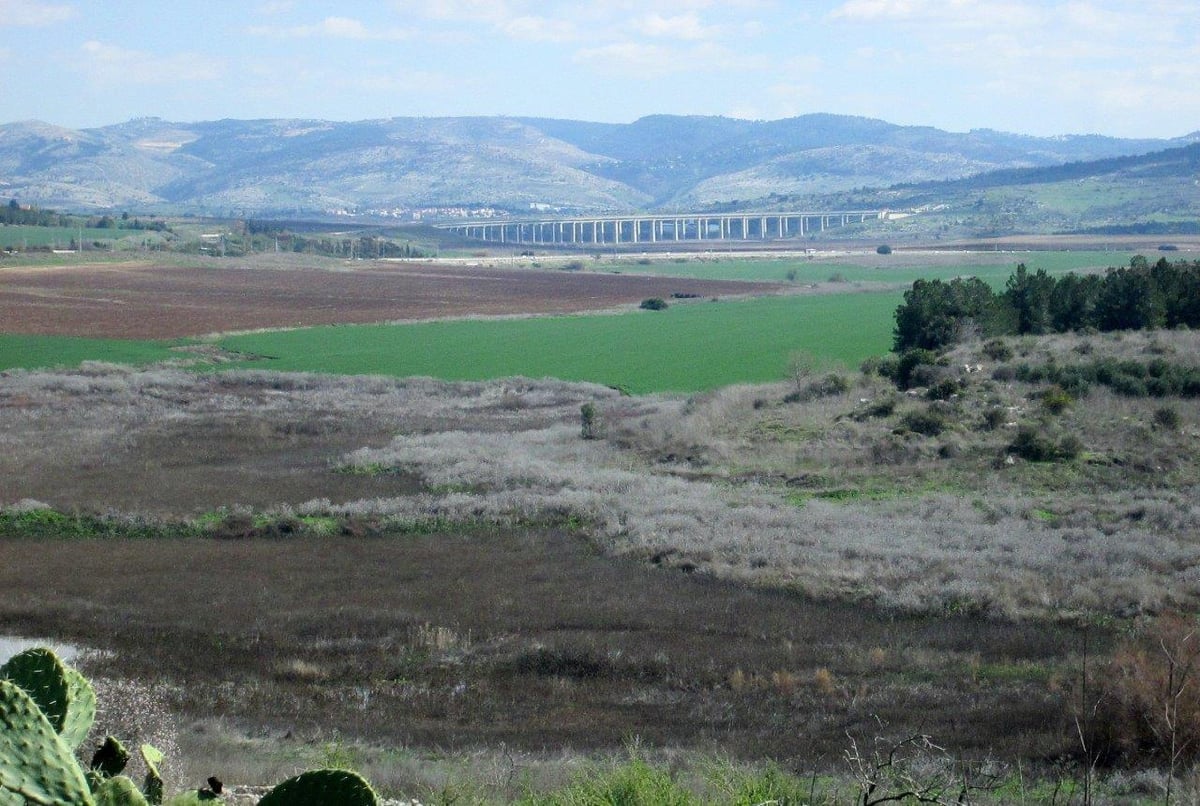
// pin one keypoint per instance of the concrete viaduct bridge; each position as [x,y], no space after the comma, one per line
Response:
[655,229]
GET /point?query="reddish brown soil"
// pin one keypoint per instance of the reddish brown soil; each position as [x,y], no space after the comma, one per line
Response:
[140,301]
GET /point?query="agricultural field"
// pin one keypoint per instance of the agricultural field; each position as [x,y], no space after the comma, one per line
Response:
[689,347]
[14,236]
[21,351]
[749,550]
[139,300]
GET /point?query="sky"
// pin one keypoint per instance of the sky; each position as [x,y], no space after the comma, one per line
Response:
[1129,69]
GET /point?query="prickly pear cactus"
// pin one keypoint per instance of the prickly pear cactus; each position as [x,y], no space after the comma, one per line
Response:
[35,763]
[153,786]
[81,709]
[110,758]
[62,694]
[322,788]
[119,791]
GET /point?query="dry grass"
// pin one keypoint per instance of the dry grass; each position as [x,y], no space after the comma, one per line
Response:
[812,496]
[321,638]
[933,552]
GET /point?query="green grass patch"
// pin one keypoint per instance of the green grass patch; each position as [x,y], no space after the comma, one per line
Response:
[50,523]
[18,351]
[686,348]
[19,236]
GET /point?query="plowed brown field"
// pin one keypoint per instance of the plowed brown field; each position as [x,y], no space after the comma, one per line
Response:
[147,301]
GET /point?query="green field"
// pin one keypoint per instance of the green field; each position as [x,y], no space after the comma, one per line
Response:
[689,347]
[30,352]
[891,269]
[21,237]
[686,348]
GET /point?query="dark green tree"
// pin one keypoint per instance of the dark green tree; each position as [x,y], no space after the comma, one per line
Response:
[1028,296]
[936,314]
[1128,300]
[1073,302]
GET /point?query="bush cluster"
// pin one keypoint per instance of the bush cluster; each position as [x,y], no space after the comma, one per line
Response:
[833,383]
[1166,417]
[997,350]
[1035,446]
[1056,400]
[1131,378]
[928,422]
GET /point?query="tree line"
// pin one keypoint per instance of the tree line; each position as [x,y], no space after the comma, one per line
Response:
[14,213]
[936,314]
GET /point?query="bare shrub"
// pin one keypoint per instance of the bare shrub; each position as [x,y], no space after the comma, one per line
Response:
[915,769]
[1150,702]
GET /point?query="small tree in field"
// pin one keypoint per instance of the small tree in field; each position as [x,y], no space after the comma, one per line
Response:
[589,421]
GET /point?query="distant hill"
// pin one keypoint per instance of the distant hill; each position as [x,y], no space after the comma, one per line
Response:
[305,167]
[1155,193]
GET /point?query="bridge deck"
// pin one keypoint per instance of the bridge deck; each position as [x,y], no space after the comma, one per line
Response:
[650,229]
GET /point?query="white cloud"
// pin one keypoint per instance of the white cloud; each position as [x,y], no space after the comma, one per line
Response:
[972,14]
[335,28]
[105,63]
[877,9]
[683,26]
[564,21]
[539,29]
[643,60]
[487,11]
[405,82]
[31,13]
[273,7]
[631,57]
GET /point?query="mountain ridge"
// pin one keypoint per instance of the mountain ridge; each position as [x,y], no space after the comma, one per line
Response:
[304,166]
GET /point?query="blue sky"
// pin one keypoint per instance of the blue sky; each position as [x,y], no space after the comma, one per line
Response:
[1045,68]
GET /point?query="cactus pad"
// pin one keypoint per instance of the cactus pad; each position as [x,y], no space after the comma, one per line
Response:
[153,785]
[81,709]
[321,788]
[34,760]
[119,791]
[110,758]
[62,694]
